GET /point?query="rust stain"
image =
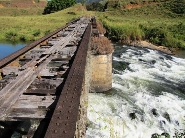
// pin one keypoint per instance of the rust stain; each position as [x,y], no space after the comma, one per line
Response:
[131,6]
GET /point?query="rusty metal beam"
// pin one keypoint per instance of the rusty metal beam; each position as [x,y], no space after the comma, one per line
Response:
[63,121]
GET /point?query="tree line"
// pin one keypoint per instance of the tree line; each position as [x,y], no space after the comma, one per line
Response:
[57,5]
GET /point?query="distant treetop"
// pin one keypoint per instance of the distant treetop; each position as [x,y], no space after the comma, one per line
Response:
[57,5]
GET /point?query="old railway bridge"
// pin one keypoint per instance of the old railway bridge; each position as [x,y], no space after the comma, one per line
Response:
[41,84]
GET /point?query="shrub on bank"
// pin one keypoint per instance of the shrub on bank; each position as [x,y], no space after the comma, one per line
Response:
[57,5]
[125,32]
[100,28]
[11,35]
[170,36]
[157,32]
[101,46]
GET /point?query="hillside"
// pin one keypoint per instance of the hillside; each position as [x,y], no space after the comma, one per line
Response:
[89,1]
[23,3]
[31,27]
[161,23]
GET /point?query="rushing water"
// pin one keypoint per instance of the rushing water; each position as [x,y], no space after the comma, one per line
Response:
[148,96]
[8,48]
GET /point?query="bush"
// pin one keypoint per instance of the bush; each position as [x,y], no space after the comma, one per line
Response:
[22,38]
[57,5]
[11,35]
[95,6]
[72,13]
[100,28]
[125,32]
[47,32]
[101,46]
[155,35]
[36,32]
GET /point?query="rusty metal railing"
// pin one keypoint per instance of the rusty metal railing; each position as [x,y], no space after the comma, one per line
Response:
[63,121]
[13,56]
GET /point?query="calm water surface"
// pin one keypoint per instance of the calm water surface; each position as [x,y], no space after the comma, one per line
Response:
[8,48]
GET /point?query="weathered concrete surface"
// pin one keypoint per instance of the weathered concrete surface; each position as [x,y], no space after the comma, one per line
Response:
[101,73]
[98,77]
[82,114]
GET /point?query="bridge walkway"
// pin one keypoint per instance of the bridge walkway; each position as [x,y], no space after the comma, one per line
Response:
[46,75]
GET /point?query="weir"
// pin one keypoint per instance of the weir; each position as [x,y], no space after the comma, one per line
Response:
[44,86]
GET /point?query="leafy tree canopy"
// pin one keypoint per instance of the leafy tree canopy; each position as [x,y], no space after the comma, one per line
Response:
[178,6]
[57,5]
[95,6]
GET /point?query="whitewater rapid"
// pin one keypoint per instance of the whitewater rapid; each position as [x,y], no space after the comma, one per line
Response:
[148,96]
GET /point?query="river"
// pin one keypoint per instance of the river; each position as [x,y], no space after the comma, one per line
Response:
[147,98]
[8,48]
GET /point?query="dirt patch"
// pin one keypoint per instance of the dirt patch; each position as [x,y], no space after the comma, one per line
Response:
[23,4]
[131,6]
[1,6]
[136,5]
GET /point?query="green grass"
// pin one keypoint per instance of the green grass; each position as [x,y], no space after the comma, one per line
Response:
[10,11]
[155,23]
[31,27]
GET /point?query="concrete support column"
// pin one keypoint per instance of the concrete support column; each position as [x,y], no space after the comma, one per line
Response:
[101,73]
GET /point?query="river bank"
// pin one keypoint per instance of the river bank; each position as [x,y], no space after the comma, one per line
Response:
[145,44]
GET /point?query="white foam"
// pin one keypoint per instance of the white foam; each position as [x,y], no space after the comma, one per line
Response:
[109,114]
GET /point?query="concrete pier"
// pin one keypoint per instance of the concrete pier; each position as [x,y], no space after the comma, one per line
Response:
[101,73]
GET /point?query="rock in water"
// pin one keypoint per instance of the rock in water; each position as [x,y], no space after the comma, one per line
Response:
[154,112]
[132,116]
[166,135]
[155,135]
[167,116]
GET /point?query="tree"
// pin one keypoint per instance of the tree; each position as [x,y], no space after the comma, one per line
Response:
[178,6]
[95,6]
[56,5]
[83,2]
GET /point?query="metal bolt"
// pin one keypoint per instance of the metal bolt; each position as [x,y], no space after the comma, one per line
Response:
[64,131]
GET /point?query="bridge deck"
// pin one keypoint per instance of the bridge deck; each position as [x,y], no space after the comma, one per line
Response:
[32,82]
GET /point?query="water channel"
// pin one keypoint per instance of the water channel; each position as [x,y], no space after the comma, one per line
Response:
[7,48]
[147,98]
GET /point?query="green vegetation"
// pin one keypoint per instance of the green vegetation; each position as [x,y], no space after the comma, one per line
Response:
[95,6]
[57,5]
[28,27]
[160,23]
[10,11]
[166,135]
